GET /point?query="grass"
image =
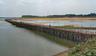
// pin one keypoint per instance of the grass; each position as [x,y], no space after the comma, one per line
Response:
[85,49]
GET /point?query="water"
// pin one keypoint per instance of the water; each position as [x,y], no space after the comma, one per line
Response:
[16,41]
[62,23]
[1,18]
[89,23]
[87,31]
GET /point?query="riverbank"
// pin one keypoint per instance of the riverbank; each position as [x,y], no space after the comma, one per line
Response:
[65,18]
[60,41]
[53,34]
[74,27]
[65,43]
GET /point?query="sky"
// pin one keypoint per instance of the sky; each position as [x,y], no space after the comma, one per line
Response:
[16,8]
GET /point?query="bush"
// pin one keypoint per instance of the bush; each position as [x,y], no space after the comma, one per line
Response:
[85,49]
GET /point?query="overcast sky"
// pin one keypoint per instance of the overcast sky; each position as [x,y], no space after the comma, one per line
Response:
[46,7]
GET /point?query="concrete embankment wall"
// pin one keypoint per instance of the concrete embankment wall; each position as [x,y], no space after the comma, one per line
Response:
[60,33]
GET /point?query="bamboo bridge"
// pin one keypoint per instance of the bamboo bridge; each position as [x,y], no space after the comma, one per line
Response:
[72,35]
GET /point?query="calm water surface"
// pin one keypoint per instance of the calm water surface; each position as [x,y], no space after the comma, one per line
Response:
[62,23]
[16,41]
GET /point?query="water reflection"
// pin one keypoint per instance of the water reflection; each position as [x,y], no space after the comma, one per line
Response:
[20,42]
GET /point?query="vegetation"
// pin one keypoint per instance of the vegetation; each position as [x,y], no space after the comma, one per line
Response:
[30,16]
[59,16]
[85,49]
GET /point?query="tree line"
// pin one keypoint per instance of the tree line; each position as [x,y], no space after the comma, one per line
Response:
[66,15]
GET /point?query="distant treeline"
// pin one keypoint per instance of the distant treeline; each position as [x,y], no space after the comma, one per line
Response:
[29,16]
[67,15]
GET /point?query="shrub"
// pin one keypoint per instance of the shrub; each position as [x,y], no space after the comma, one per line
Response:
[85,49]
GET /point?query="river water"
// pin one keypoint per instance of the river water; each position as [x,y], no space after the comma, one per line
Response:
[66,22]
[16,41]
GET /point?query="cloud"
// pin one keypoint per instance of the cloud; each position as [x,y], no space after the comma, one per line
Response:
[46,7]
[1,2]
